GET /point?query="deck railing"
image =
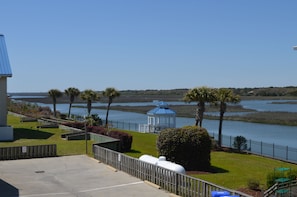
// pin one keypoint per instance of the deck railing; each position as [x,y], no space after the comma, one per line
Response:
[179,184]
[24,152]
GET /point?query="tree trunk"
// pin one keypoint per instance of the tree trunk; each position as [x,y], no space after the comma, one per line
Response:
[220,129]
[201,112]
[107,112]
[223,107]
[54,106]
[69,111]
[197,116]
[89,106]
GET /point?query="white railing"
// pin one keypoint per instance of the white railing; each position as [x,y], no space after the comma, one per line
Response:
[180,184]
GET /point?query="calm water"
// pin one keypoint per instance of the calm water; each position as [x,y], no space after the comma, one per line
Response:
[281,135]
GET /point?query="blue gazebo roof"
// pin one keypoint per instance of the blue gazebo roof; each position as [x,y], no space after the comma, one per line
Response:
[161,109]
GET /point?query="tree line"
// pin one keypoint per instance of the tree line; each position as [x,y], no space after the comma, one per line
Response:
[87,95]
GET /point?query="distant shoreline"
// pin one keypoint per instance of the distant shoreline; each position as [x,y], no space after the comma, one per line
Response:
[139,96]
[279,118]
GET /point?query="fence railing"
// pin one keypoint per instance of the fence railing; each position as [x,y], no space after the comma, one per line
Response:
[171,181]
[290,186]
[24,152]
[274,151]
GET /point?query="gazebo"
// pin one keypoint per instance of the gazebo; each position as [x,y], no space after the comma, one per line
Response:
[160,118]
[6,132]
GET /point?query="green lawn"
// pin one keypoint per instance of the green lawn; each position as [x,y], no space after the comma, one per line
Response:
[232,170]
[27,133]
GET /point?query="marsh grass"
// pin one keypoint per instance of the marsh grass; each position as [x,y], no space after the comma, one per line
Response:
[281,118]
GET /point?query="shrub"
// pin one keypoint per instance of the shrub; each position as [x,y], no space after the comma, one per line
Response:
[97,129]
[93,120]
[77,125]
[271,177]
[253,184]
[292,174]
[125,140]
[189,146]
[240,143]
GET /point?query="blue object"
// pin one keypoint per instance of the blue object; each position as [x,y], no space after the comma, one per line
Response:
[219,193]
[229,196]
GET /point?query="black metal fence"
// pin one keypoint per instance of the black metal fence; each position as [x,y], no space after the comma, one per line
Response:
[124,125]
[180,184]
[274,151]
[25,152]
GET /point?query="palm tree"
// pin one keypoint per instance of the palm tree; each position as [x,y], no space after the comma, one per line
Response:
[55,93]
[72,93]
[110,93]
[89,96]
[201,95]
[224,96]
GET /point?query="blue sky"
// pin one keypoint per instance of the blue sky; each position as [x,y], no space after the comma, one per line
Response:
[149,44]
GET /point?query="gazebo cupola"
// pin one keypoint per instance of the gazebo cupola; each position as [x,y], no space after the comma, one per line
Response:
[6,132]
[161,117]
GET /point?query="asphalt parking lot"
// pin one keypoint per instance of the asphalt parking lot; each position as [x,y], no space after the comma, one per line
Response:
[69,176]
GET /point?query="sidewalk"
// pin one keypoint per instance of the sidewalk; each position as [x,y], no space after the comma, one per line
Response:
[69,176]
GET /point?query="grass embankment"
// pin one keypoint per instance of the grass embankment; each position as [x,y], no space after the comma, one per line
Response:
[27,134]
[231,170]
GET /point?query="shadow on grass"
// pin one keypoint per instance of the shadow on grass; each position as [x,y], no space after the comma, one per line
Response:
[212,170]
[215,169]
[133,151]
[22,133]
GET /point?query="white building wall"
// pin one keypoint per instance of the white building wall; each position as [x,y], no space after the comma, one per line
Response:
[3,101]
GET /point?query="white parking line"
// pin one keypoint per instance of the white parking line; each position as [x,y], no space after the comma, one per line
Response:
[47,194]
[83,191]
[110,187]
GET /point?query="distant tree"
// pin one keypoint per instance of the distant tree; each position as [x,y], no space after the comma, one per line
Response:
[240,143]
[224,96]
[89,96]
[110,93]
[201,95]
[55,93]
[72,93]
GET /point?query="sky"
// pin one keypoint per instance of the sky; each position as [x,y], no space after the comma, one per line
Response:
[149,44]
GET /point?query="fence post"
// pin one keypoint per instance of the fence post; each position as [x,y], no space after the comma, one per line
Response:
[287,150]
[261,148]
[176,184]
[230,141]
[273,150]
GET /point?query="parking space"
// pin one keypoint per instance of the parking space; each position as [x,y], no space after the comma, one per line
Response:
[69,176]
